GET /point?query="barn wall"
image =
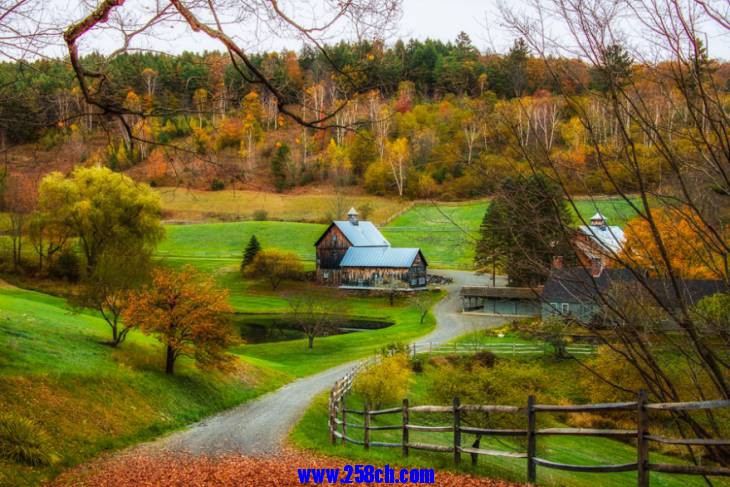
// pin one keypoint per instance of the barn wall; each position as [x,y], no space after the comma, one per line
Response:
[331,249]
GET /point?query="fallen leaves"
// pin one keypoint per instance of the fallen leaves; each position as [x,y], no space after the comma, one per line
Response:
[135,469]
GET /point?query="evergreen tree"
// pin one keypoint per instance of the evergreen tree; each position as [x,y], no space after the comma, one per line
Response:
[279,163]
[252,249]
[490,251]
[523,229]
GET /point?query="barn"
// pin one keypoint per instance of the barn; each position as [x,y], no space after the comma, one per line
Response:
[354,254]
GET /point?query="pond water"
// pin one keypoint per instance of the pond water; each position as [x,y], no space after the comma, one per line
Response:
[261,328]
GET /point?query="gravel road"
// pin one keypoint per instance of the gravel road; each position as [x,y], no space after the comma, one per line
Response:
[260,427]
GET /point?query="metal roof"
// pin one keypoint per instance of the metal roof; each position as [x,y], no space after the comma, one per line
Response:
[501,292]
[379,257]
[610,237]
[362,234]
[576,284]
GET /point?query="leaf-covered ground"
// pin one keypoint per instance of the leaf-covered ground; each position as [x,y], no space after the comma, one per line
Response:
[134,469]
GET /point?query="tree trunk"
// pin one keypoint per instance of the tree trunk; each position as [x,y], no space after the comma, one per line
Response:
[311,341]
[115,335]
[170,360]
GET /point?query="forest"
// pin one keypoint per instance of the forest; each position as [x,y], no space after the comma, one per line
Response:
[417,119]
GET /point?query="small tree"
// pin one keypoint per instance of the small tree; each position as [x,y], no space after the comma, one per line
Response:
[252,249]
[188,314]
[314,316]
[394,287]
[275,266]
[385,383]
[106,289]
[422,302]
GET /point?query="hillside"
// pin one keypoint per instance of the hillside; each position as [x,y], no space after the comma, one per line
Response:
[90,398]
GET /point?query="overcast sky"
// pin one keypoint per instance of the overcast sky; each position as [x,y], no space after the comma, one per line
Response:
[421,19]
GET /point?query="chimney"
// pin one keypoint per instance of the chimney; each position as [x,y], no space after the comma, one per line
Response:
[596,267]
[352,216]
[558,262]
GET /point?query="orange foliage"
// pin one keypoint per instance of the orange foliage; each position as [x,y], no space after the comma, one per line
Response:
[686,241]
[187,313]
[137,469]
[156,164]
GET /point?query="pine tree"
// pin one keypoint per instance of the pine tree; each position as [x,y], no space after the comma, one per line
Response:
[252,249]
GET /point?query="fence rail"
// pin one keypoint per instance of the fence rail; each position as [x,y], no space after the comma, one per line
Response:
[496,348]
[339,424]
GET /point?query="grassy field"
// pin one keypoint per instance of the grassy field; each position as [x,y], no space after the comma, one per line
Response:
[447,233]
[194,205]
[224,242]
[311,434]
[293,356]
[91,398]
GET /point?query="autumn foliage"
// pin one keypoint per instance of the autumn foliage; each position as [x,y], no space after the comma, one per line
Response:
[144,470]
[187,313]
[687,243]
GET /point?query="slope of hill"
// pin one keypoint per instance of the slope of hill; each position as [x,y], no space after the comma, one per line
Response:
[89,397]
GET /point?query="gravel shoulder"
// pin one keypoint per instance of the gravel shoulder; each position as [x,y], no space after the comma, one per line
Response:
[260,427]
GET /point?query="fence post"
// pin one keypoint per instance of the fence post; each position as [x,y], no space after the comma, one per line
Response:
[332,416]
[531,440]
[457,431]
[404,441]
[366,425]
[344,421]
[414,349]
[642,446]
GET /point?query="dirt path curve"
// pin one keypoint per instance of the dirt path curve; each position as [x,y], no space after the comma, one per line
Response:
[260,427]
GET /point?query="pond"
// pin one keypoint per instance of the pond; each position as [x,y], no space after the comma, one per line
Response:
[274,327]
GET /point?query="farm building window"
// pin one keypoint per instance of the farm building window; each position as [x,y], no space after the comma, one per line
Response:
[422,280]
[554,306]
[414,282]
[565,308]
[326,274]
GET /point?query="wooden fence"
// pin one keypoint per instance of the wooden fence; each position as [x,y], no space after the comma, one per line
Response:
[502,348]
[339,424]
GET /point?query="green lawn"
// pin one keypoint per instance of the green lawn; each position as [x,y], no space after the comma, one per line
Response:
[311,433]
[293,356]
[224,242]
[90,398]
[447,233]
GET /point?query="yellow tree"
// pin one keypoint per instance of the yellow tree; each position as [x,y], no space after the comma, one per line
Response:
[252,112]
[685,253]
[397,155]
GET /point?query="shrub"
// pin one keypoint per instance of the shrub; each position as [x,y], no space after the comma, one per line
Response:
[23,441]
[260,215]
[385,383]
[484,358]
[275,266]
[217,185]
[66,266]
[395,348]
[417,364]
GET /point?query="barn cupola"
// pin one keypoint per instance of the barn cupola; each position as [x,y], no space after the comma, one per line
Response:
[598,220]
[352,216]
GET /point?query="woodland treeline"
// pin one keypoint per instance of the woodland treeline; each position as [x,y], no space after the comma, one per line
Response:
[422,119]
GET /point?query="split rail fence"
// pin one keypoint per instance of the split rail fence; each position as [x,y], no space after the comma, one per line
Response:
[502,348]
[340,423]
